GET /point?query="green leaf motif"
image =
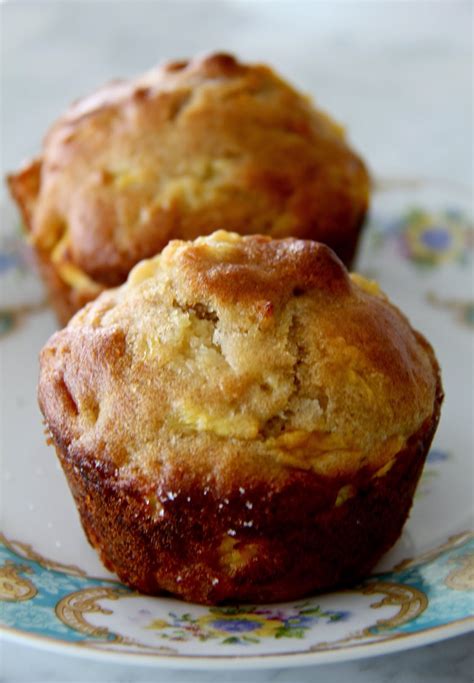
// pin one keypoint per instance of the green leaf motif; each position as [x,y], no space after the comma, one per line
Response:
[335,617]
[231,611]
[314,611]
[7,321]
[285,632]
[249,639]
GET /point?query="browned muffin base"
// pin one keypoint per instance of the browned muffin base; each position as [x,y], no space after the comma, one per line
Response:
[299,541]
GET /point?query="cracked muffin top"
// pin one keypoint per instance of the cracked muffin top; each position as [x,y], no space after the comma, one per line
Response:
[243,354]
[182,151]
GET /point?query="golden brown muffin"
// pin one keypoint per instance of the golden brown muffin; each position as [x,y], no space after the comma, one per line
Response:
[242,420]
[186,149]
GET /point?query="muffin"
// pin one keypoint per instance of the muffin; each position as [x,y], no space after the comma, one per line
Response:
[242,420]
[182,151]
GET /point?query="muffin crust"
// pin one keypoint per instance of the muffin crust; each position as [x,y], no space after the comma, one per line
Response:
[184,150]
[244,400]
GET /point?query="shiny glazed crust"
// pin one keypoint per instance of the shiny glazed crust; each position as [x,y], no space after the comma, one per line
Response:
[184,150]
[242,420]
[258,543]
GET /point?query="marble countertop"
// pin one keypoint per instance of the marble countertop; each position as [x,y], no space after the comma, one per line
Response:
[398,75]
[450,660]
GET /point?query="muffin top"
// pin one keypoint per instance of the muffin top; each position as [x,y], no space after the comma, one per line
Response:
[233,357]
[182,151]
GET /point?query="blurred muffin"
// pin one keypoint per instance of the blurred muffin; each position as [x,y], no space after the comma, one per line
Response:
[242,420]
[182,151]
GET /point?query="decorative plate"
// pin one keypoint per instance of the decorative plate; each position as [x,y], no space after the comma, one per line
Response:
[54,592]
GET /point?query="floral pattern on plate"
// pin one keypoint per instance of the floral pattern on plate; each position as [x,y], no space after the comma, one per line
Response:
[429,239]
[245,625]
[417,595]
